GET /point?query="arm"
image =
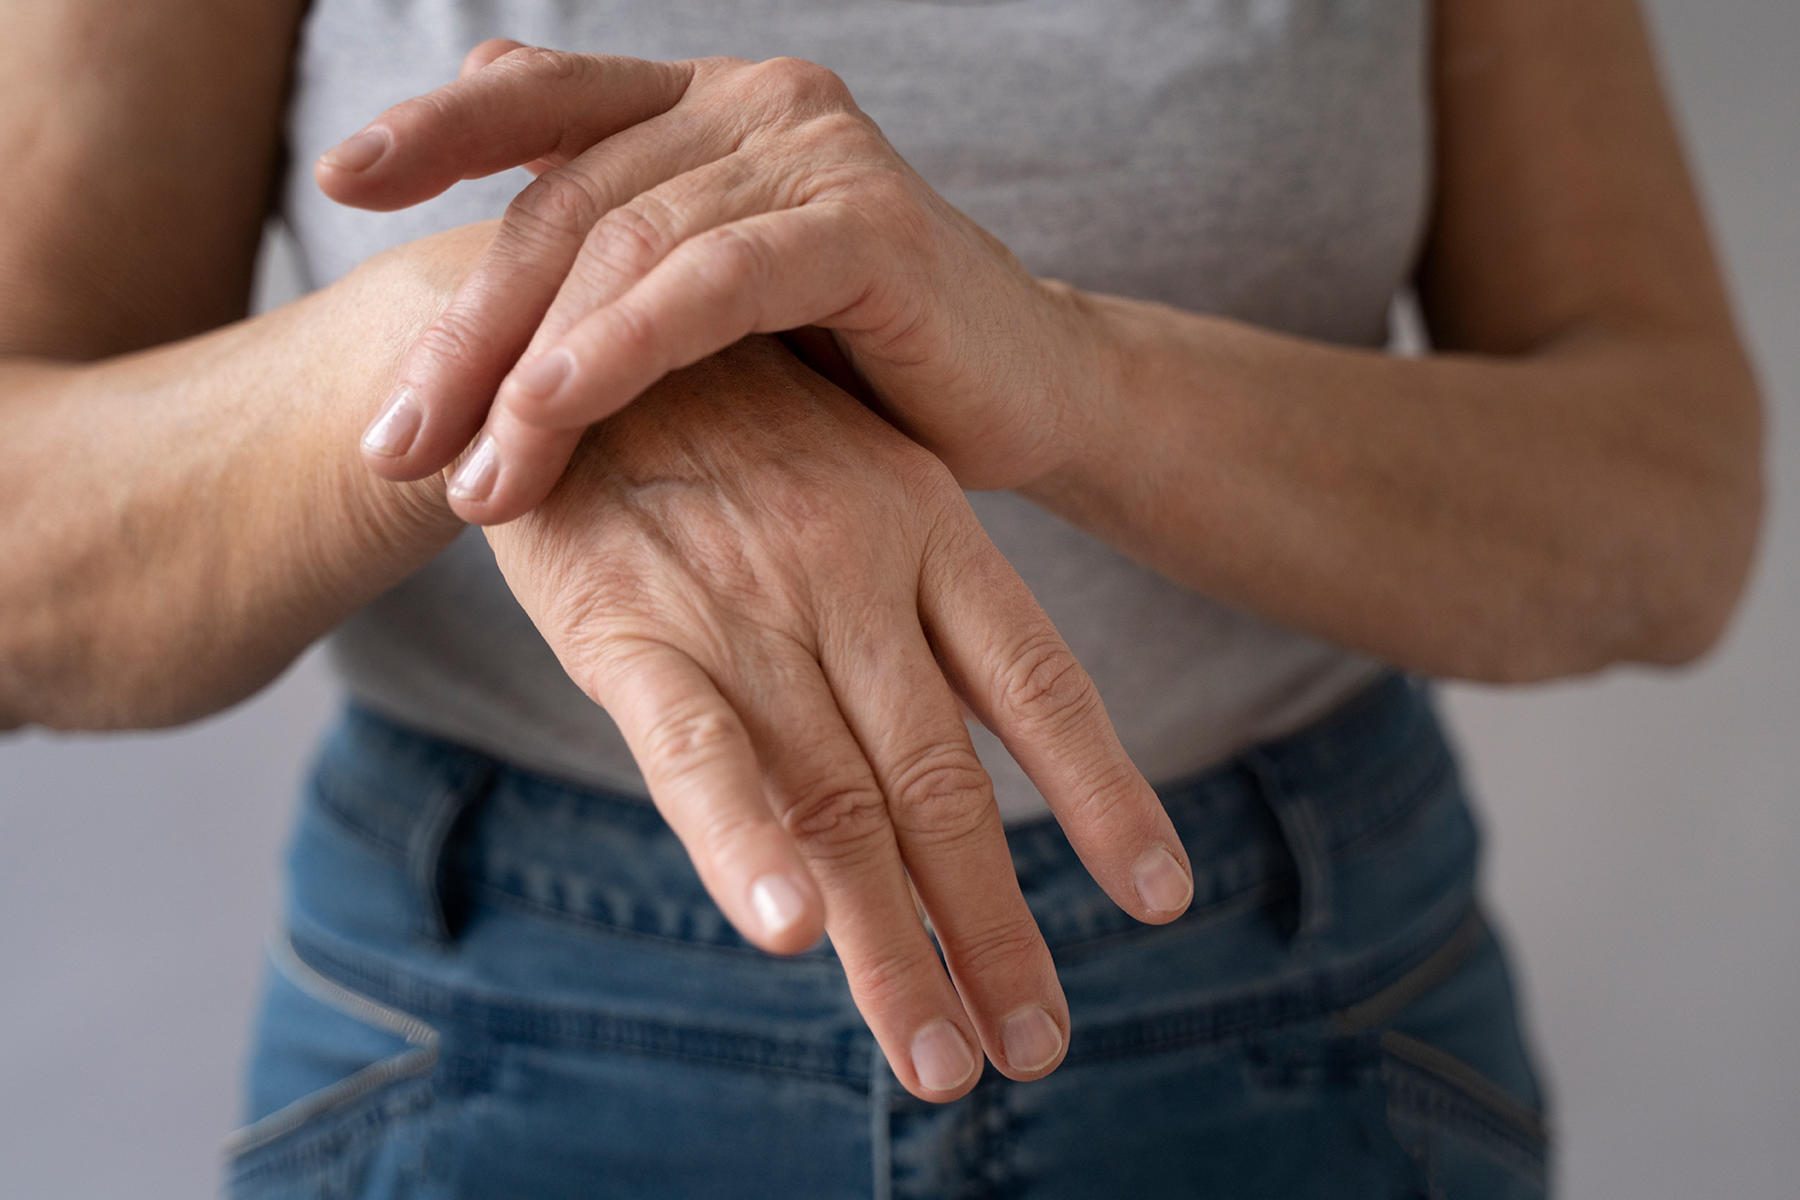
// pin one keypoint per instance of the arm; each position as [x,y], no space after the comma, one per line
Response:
[1573,481]
[182,522]
[777,596]
[181,518]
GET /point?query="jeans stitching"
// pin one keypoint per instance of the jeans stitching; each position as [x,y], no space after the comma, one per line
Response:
[1266,1009]
[1407,781]
[1419,1096]
[316,1126]
[836,1062]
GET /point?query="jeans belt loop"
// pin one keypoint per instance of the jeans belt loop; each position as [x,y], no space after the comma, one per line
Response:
[1307,841]
[428,852]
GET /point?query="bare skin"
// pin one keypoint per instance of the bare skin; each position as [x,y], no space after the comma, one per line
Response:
[781,599]
[1572,481]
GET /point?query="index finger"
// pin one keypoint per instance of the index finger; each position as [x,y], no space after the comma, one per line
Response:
[528,104]
[703,775]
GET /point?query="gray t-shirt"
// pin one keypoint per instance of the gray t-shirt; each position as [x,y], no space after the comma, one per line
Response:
[1262,159]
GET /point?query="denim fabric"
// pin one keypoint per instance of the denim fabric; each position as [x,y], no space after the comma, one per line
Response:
[494,984]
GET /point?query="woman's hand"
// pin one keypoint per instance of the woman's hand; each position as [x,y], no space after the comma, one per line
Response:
[680,207]
[780,599]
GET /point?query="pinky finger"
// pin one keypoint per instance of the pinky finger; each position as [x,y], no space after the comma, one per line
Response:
[702,772]
[1016,672]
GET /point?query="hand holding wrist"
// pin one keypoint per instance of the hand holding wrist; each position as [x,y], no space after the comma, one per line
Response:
[378,309]
[647,269]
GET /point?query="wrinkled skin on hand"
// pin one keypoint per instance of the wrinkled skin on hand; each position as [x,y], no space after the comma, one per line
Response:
[680,206]
[784,603]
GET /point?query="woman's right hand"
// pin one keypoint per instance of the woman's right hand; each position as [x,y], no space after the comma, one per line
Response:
[780,599]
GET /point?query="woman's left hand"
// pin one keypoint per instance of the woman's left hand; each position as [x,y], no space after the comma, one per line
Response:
[678,208]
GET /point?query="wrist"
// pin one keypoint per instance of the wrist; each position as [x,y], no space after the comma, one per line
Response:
[398,521]
[1102,357]
[387,528]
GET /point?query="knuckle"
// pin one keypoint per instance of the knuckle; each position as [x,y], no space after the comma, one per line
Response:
[542,64]
[735,260]
[924,479]
[805,82]
[587,614]
[837,142]
[629,335]
[942,793]
[1007,949]
[560,204]
[633,237]
[840,156]
[686,740]
[485,52]
[1108,797]
[726,830]
[1044,685]
[837,126]
[882,979]
[453,337]
[837,820]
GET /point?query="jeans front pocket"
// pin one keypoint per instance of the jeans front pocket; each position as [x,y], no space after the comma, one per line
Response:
[1462,1098]
[1468,1135]
[340,1094]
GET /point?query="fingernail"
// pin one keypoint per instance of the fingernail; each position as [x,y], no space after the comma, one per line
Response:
[941,1058]
[779,903]
[475,478]
[1161,883]
[392,431]
[1031,1038]
[358,152]
[544,374]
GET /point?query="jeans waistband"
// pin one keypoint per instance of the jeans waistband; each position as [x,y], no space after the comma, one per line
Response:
[1265,824]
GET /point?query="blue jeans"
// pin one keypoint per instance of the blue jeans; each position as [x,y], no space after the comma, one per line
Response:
[493,984]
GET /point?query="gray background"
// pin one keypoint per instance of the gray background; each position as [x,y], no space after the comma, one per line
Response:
[1645,831]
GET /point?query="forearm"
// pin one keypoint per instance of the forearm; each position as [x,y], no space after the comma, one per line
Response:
[182,522]
[1486,518]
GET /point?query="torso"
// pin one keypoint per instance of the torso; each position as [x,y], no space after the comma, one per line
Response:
[1262,159]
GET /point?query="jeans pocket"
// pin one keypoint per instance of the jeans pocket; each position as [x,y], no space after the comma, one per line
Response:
[1469,1136]
[340,1092]
[1462,1096]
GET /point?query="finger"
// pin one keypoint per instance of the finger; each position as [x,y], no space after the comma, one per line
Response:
[702,773]
[1006,658]
[514,463]
[941,804]
[630,240]
[448,377]
[485,53]
[766,273]
[831,805]
[509,469]
[529,103]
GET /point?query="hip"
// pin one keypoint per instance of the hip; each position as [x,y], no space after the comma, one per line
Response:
[493,982]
